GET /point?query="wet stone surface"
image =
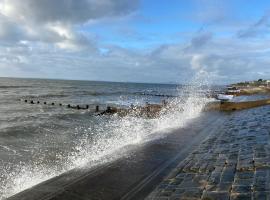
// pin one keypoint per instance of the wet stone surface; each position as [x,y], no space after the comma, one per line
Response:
[231,164]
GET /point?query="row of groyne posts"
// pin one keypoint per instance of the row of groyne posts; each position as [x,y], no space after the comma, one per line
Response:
[78,107]
[152,110]
[148,109]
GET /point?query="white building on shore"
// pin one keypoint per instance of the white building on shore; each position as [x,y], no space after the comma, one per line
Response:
[268,83]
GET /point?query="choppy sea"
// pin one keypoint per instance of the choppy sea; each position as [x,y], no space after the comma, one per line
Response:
[38,142]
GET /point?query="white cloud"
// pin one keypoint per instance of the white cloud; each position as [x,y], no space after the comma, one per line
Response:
[196,62]
[53,22]
[44,38]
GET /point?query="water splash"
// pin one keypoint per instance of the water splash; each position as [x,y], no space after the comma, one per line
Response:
[98,142]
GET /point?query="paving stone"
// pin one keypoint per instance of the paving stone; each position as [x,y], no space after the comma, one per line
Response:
[214,178]
[262,162]
[247,182]
[161,198]
[261,196]
[241,189]
[216,196]
[228,174]
[165,193]
[179,191]
[244,175]
[176,181]
[193,193]
[224,186]
[241,196]
[233,163]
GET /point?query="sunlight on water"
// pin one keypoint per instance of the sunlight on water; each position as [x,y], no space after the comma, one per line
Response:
[112,133]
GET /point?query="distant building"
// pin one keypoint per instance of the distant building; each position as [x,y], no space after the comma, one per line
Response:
[258,83]
[268,83]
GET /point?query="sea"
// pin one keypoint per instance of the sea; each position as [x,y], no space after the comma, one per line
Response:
[41,141]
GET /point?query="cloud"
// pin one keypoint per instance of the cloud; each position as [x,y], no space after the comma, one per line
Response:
[9,31]
[259,28]
[53,39]
[65,11]
[168,63]
[210,11]
[57,22]
[199,41]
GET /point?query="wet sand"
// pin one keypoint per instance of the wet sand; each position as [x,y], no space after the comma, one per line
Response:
[233,163]
[133,176]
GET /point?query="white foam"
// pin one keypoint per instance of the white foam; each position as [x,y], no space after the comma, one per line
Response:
[114,133]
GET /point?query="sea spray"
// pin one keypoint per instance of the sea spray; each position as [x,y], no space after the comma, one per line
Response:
[96,143]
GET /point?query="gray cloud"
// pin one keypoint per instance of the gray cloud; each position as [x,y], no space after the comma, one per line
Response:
[54,22]
[259,28]
[199,41]
[66,11]
[9,31]
[167,63]
[43,38]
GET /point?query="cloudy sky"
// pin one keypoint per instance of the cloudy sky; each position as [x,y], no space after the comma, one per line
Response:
[135,40]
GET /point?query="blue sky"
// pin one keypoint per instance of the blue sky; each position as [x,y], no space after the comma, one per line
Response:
[137,41]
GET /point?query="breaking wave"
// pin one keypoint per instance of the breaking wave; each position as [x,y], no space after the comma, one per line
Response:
[105,135]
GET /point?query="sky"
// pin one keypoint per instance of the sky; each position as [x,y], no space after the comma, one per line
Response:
[157,41]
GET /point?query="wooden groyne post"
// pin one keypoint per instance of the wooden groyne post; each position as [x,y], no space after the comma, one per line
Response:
[97,109]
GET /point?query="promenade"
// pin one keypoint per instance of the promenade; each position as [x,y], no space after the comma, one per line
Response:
[233,163]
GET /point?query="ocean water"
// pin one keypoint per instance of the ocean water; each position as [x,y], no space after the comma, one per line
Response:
[38,142]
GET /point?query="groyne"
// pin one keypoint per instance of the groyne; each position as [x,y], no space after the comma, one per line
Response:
[154,110]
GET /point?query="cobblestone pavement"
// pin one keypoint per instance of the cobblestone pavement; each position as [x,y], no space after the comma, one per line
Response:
[233,163]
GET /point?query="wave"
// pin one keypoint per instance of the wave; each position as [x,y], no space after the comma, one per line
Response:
[156,95]
[13,86]
[101,137]
[118,93]
[97,94]
[43,96]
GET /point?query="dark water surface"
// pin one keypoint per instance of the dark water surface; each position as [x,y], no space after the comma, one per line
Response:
[38,142]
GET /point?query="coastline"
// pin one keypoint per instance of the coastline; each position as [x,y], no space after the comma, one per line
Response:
[219,156]
[138,173]
[253,90]
[133,176]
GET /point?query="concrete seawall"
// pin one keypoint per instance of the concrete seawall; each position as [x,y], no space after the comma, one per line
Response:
[232,106]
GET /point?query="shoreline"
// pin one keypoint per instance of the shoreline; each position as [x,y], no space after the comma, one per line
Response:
[252,90]
[225,160]
[130,177]
[144,179]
